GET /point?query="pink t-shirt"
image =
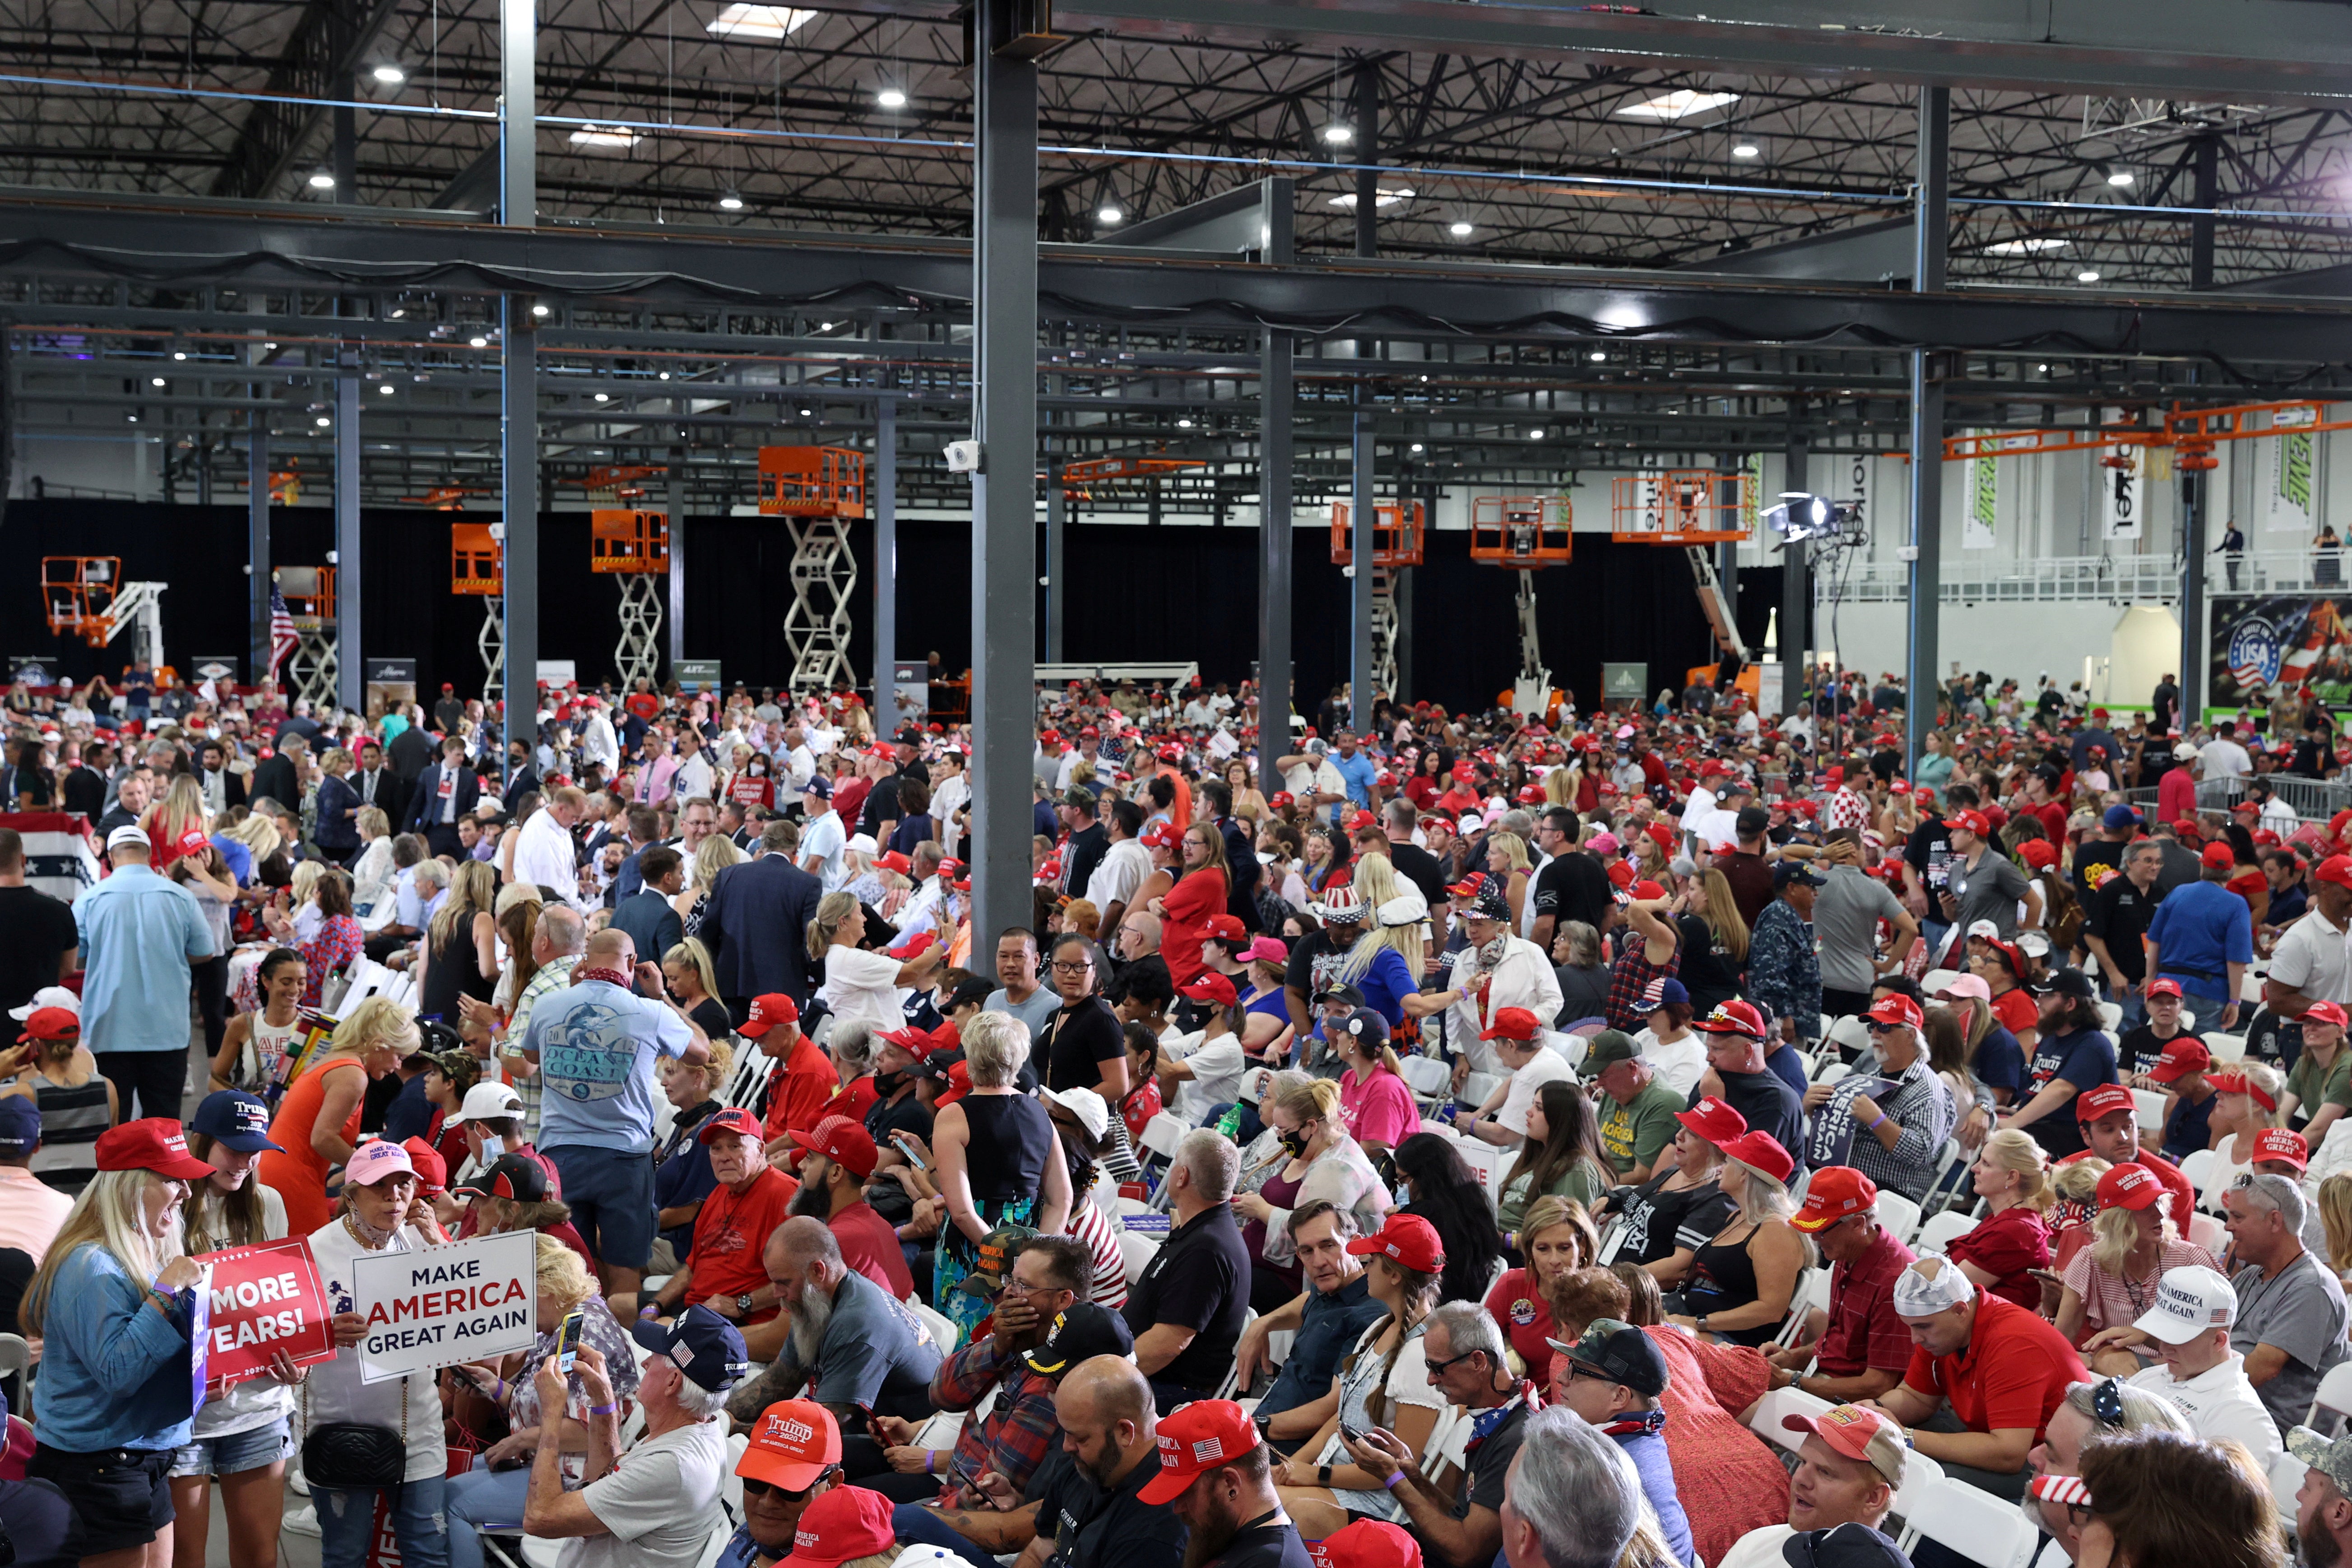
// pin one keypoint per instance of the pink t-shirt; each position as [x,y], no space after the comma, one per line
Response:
[1380,1112]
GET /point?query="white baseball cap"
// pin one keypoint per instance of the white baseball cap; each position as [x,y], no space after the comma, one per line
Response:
[1092,1112]
[47,997]
[488,1099]
[1985,929]
[2191,1300]
[129,832]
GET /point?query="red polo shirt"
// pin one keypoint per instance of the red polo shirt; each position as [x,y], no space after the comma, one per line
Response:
[729,1234]
[1862,1333]
[2012,1373]
[799,1089]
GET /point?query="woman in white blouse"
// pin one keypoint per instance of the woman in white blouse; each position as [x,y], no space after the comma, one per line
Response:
[862,986]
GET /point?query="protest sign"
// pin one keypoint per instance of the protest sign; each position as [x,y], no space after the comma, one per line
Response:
[263,1299]
[466,1301]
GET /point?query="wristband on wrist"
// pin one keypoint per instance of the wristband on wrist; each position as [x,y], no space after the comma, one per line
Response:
[1394,1477]
[928,1455]
[611,1409]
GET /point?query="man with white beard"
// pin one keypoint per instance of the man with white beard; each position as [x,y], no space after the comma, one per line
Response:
[870,1353]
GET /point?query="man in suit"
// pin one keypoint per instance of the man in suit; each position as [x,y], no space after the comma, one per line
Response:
[222,787]
[646,914]
[378,785]
[755,924]
[278,777]
[444,792]
[643,829]
[521,774]
[409,754]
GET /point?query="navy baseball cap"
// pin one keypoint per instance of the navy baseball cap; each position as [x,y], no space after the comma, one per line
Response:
[235,1120]
[2120,817]
[20,1124]
[701,1343]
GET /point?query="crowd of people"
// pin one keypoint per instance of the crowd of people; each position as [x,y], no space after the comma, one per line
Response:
[1575,1139]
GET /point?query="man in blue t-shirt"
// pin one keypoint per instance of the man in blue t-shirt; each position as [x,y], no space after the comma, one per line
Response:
[2070,1053]
[2202,935]
[595,1043]
[1357,768]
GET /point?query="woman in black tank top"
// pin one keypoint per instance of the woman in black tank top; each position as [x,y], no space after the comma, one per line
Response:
[1744,1279]
[994,1148]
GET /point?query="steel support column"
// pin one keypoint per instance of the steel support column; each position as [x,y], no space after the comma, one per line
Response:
[1924,480]
[885,491]
[1362,532]
[519,369]
[350,671]
[1004,491]
[1277,545]
[1057,561]
[674,501]
[1368,157]
[2204,189]
[256,540]
[1796,585]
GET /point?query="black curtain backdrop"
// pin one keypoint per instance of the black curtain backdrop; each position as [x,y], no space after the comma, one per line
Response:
[1136,593]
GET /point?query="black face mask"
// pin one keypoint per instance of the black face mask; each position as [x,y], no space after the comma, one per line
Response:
[1294,1142]
[890,1083]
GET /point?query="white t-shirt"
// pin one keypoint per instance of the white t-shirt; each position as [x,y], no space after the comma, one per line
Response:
[862,987]
[1758,1548]
[1547,1065]
[2225,760]
[2219,1403]
[1216,1079]
[1118,875]
[1678,1066]
[660,1502]
[822,840]
[2314,958]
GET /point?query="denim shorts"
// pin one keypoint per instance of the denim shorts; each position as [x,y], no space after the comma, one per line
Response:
[611,1199]
[232,1453]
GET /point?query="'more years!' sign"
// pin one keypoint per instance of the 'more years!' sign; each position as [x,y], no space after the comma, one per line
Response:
[466,1301]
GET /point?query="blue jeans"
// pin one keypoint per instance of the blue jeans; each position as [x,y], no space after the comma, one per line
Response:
[484,1498]
[2206,1008]
[915,1525]
[346,1518]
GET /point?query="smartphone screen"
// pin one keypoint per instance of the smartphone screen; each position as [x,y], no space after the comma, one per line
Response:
[907,1149]
[567,1342]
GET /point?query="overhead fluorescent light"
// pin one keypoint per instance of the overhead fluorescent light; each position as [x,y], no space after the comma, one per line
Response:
[1386,197]
[590,136]
[771,22]
[2024,247]
[1675,105]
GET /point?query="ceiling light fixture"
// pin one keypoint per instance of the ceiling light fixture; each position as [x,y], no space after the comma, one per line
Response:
[2086,276]
[613,140]
[1109,212]
[604,397]
[2024,247]
[325,420]
[891,98]
[1747,150]
[156,380]
[731,202]
[2120,178]
[1597,355]
[1184,424]
[773,23]
[1339,134]
[385,389]
[1385,197]
[1460,228]
[1416,445]
[1677,104]
[541,312]
[479,342]
[390,76]
[322,181]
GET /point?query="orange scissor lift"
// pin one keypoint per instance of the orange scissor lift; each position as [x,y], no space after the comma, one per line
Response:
[817,491]
[1524,534]
[1398,531]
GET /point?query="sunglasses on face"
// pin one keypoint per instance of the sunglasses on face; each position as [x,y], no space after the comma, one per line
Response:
[752,1488]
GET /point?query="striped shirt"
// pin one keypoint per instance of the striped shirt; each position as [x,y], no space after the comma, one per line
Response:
[72,1116]
[553,975]
[1100,1233]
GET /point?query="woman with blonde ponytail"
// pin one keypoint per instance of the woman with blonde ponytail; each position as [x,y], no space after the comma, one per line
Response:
[2012,1176]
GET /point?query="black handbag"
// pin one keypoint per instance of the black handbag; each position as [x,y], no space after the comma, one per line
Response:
[352,1454]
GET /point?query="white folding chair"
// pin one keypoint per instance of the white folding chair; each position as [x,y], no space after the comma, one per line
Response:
[1847,1034]
[938,1324]
[1765,1419]
[1428,1078]
[1832,1071]
[2207,1232]
[2197,1170]
[1899,1215]
[731,1485]
[2228,1050]
[1974,1525]
[1935,979]
[2334,1393]
[1812,1295]
[1938,1232]
[1920,1476]
[1477,1085]
[1138,1250]
[1162,1133]
[2151,1108]
[2286,1480]
[2111,1016]
[1231,1385]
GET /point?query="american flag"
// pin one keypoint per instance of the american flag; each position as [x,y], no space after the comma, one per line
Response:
[282,640]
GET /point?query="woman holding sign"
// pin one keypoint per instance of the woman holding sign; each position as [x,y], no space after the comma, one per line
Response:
[240,1435]
[319,1121]
[117,1379]
[364,1438]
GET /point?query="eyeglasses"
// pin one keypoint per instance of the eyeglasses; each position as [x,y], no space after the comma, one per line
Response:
[752,1487]
[1875,1027]
[1014,1283]
[1080,967]
[1437,1367]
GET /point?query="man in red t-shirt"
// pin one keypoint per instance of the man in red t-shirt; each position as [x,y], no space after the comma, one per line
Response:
[725,1272]
[2110,1119]
[839,1156]
[1984,1376]
[804,1079]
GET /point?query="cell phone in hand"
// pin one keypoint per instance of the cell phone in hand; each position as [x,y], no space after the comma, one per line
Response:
[567,1341]
[907,1147]
[1352,1434]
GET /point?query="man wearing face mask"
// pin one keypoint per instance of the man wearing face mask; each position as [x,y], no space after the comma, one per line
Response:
[896,1108]
[794,1459]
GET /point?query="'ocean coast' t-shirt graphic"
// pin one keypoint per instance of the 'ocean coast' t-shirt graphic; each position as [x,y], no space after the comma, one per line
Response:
[591,1054]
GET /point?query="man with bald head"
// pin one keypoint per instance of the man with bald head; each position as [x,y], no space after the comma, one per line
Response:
[557,942]
[866,1352]
[595,1044]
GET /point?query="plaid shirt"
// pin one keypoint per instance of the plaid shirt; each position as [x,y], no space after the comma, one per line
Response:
[1784,972]
[1021,1429]
[1631,976]
[552,976]
[1862,1333]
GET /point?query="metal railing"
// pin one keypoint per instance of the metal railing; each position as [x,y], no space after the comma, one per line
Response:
[2114,579]
[2313,800]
